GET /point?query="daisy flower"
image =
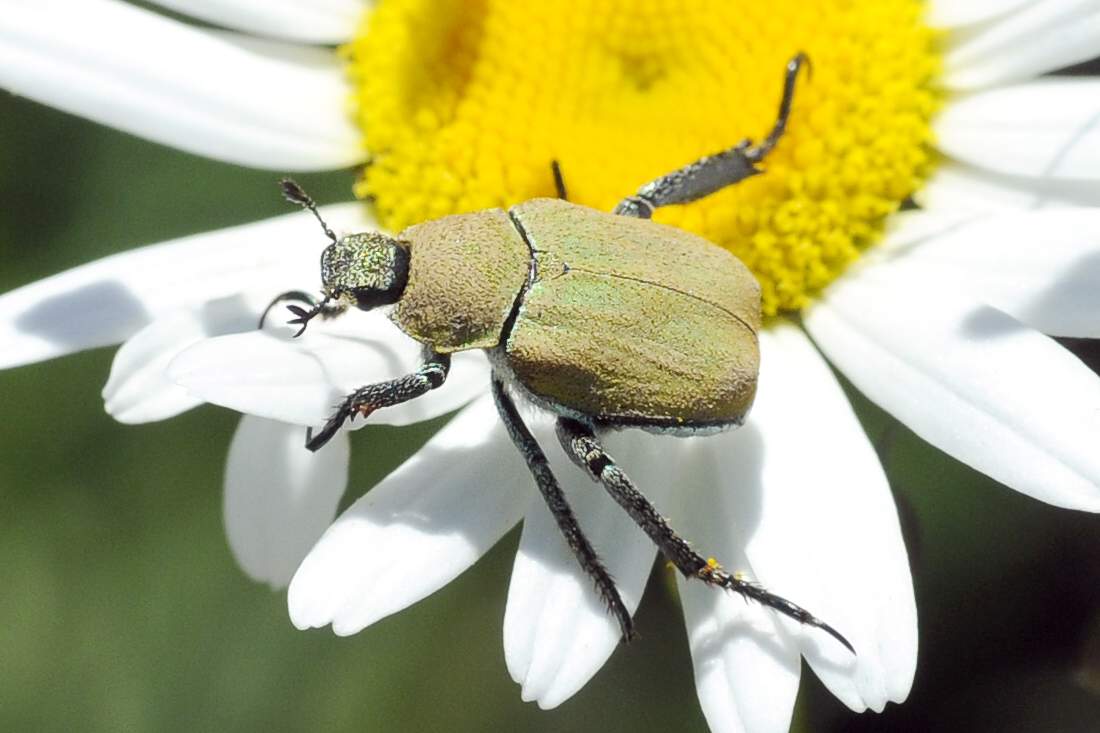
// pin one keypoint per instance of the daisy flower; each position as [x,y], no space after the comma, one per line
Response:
[941,314]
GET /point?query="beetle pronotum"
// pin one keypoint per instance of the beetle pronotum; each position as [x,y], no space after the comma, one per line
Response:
[527,285]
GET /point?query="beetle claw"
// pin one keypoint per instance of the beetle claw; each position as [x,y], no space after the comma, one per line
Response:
[302,317]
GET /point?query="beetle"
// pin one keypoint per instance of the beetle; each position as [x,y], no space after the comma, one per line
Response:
[608,320]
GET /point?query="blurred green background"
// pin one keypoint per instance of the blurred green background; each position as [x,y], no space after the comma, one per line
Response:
[122,609]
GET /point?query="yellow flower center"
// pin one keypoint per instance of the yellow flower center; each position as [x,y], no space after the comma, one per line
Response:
[464,104]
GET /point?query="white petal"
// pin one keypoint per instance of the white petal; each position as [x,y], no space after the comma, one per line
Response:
[107,301]
[1040,37]
[827,534]
[138,389]
[177,84]
[1048,128]
[312,21]
[742,682]
[417,530]
[557,631]
[909,228]
[970,380]
[954,13]
[746,667]
[959,187]
[279,497]
[299,380]
[1041,267]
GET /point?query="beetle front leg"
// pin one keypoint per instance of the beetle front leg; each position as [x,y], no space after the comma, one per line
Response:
[366,400]
[584,448]
[713,172]
[559,506]
[326,308]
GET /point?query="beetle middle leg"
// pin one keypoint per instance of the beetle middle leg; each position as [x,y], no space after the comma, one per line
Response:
[714,172]
[584,448]
[559,507]
[559,180]
[366,400]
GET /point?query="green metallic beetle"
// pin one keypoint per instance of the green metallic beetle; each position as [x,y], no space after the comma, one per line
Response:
[607,320]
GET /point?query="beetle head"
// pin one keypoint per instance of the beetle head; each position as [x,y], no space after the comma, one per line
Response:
[366,270]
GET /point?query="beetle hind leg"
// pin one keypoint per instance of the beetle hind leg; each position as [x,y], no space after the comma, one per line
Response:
[584,448]
[559,506]
[714,172]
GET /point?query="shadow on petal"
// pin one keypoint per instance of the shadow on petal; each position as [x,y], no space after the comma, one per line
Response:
[986,322]
[741,628]
[1067,305]
[97,314]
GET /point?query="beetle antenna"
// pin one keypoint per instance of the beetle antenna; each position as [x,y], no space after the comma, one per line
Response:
[295,194]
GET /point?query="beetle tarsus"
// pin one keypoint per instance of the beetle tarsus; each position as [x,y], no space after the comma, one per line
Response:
[300,295]
[712,173]
[315,441]
[584,449]
[713,574]
[325,308]
[366,400]
[756,153]
[302,317]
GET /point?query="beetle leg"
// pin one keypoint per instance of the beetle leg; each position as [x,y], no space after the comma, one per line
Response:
[559,507]
[366,400]
[714,172]
[559,180]
[324,308]
[583,447]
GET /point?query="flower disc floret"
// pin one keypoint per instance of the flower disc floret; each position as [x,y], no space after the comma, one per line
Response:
[464,104]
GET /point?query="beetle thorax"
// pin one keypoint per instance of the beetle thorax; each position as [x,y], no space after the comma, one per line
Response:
[466,273]
[368,267]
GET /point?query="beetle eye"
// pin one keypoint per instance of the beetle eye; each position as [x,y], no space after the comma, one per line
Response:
[368,268]
[368,298]
[383,282]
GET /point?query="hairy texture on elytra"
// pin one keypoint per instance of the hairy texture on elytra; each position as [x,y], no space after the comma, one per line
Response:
[634,322]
